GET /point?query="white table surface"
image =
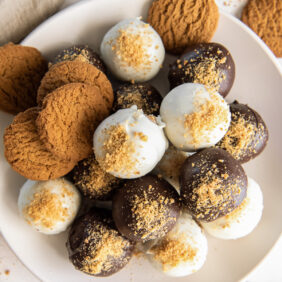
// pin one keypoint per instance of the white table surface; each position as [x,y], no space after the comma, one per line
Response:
[270,270]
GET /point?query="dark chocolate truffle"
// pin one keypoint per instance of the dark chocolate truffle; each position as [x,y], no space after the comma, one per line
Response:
[212,184]
[210,64]
[145,208]
[93,181]
[82,53]
[143,95]
[247,135]
[96,247]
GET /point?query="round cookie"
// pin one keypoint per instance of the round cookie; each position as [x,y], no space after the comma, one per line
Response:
[264,17]
[181,23]
[93,181]
[143,95]
[68,119]
[27,154]
[21,69]
[71,72]
[81,53]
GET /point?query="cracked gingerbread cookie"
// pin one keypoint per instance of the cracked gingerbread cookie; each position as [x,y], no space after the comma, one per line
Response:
[68,118]
[264,17]
[21,70]
[75,71]
[27,154]
[182,23]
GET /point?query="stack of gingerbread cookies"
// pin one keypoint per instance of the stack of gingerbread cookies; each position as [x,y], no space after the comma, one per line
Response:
[57,111]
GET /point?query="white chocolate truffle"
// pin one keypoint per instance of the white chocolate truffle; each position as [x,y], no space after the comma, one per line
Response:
[243,220]
[182,251]
[195,116]
[129,144]
[49,206]
[133,50]
[170,165]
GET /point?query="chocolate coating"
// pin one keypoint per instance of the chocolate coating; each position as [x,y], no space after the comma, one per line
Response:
[143,95]
[210,64]
[145,208]
[83,53]
[93,181]
[212,184]
[247,135]
[95,246]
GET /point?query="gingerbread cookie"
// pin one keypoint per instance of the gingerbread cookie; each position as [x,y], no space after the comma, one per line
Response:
[21,69]
[68,119]
[181,23]
[264,17]
[27,154]
[82,53]
[75,71]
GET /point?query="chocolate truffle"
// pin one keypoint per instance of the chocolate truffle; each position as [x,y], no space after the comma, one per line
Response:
[210,64]
[143,95]
[82,53]
[247,135]
[96,247]
[212,184]
[93,181]
[145,208]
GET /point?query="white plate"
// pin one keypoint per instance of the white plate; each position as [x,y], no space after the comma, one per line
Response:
[258,83]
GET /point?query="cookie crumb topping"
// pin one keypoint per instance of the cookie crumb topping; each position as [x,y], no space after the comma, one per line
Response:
[104,246]
[207,117]
[119,151]
[151,215]
[132,48]
[170,252]
[46,208]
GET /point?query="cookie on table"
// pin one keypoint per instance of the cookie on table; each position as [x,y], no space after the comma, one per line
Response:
[75,71]
[27,154]
[68,118]
[181,23]
[21,70]
[81,53]
[264,17]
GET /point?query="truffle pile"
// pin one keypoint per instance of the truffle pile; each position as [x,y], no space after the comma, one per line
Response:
[163,169]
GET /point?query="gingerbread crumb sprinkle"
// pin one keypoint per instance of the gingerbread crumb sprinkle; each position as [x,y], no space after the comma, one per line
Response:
[103,244]
[141,135]
[238,137]
[207,72]
[46,208]
[171,252]
[150,215]
[92,180]
[210,195]
[131,48]
[207,117]
[119,151]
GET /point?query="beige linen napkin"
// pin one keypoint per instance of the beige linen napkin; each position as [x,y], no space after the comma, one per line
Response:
[19,17]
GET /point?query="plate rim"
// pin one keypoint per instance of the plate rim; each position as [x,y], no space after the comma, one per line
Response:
[232,18]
